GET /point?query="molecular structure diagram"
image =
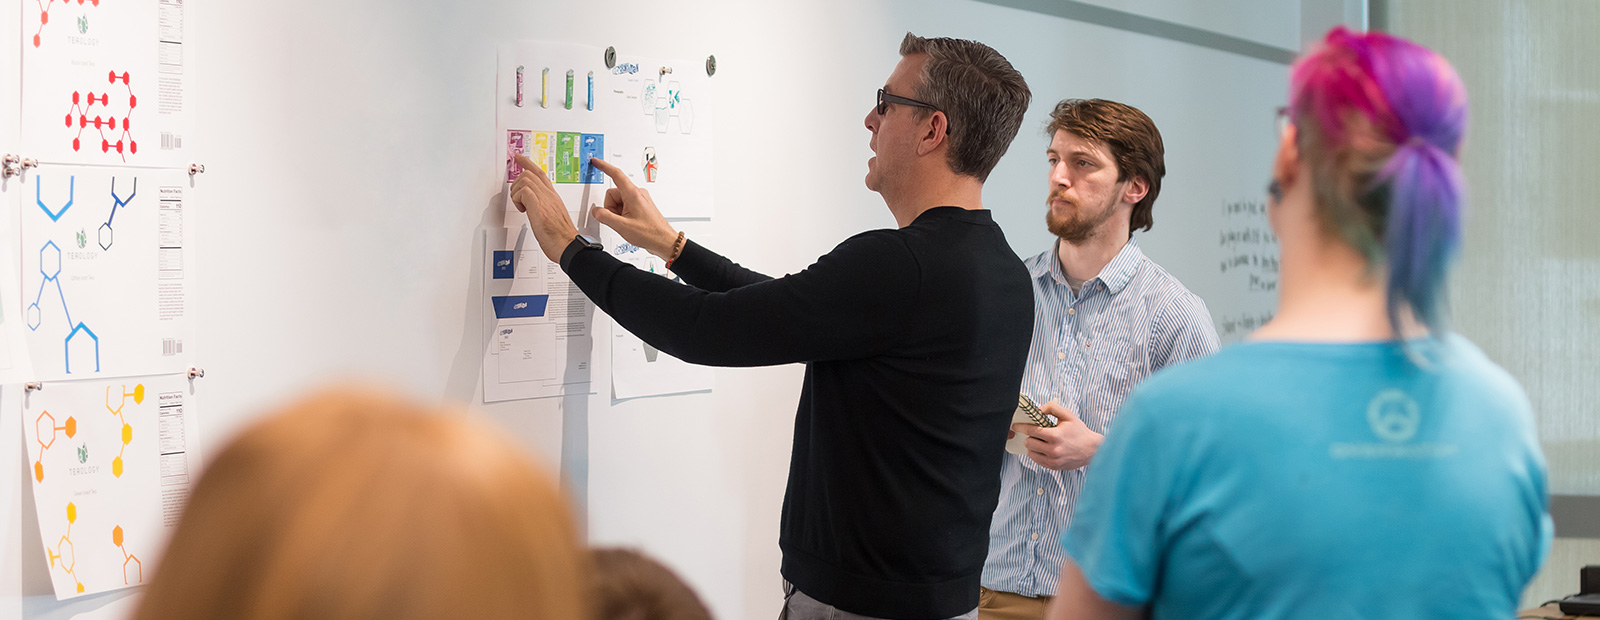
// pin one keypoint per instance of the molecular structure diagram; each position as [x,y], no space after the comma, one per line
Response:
[50,268]
[45,424]
[83,104]
[127,429]
[127,559]
[64,552]
[44,14]
[116,201]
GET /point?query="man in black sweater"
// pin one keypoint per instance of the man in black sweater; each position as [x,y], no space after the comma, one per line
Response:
[914,341]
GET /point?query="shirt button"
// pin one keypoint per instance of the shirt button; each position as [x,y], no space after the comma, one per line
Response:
[1072,311]
[1036,536]
[1041,491]
[1061,355]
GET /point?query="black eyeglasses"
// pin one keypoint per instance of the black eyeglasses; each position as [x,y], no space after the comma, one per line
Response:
[884,99]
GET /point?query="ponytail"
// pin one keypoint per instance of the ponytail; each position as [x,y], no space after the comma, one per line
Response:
[1422,230]
[1381,119]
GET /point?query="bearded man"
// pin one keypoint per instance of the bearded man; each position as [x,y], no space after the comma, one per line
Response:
[1105,317]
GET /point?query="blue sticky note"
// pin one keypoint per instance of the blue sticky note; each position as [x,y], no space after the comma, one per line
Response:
[519,306]
[591,145]
[505,264]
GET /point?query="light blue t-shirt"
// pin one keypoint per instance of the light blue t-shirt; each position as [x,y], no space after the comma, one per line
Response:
[1282,480]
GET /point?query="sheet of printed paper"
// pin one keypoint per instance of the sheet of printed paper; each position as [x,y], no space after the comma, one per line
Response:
[13,351]
[15,365]
[105,82]
[653,118]
[10,87]
[560,105]
[638,369]
[107,271]
[112,461]
[540,340]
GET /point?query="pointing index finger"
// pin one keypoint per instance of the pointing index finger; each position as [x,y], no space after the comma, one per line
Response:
[616,174]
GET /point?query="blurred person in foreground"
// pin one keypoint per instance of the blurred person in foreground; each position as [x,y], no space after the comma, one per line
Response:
[350,505]
[1353,458]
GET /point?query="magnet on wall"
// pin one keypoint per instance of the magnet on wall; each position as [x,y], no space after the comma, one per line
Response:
[611,57]
[711,65]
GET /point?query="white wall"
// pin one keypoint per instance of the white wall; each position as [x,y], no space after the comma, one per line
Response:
[351,160]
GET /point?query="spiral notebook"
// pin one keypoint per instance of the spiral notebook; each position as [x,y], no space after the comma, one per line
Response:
[1026,413]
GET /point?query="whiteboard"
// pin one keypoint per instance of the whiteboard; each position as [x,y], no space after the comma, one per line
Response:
[352,167]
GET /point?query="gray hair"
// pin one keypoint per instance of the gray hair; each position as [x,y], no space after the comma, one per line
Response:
[981,93]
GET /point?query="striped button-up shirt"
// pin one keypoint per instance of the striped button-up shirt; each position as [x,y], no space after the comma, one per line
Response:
[1088,350]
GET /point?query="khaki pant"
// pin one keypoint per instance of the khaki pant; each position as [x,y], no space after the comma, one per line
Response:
[994,605]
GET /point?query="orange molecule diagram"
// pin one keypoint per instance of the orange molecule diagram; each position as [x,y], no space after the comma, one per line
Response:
[83,104]
[63,554]
[44,14]
[127,429]
[128,560]
[45,425]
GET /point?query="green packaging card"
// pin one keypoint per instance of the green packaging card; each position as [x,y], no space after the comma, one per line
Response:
[568,162]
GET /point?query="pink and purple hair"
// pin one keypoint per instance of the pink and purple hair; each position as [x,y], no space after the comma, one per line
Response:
[1374,94]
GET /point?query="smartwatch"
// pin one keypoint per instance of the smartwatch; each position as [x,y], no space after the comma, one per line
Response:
[588,242]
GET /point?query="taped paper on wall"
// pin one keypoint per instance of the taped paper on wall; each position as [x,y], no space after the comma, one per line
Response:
[107,272]
[112,462]
[105,82]
[638,369]
[540,337]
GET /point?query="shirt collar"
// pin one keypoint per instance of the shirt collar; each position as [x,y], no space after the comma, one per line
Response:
[1120,271]
[1116,275]
[1049,265]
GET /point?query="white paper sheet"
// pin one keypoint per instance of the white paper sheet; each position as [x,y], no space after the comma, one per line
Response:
[106,271]
[13,350]
[15,366]
[541,337]
[112,462]
[657,126]
[638,369]
[105,82]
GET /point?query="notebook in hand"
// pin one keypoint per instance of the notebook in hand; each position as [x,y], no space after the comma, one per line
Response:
[1026,413]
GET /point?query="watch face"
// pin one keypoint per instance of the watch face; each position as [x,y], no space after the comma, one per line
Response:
[590,241]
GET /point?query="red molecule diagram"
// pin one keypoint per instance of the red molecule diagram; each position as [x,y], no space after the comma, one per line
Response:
[44,14]
[83,104]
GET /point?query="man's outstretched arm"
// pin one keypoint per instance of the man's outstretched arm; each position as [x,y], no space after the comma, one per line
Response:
[850,304]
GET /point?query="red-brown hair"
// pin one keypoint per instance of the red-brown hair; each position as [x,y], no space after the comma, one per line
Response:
[352,505]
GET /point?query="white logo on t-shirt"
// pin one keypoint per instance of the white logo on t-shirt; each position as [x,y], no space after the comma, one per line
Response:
[1394,416]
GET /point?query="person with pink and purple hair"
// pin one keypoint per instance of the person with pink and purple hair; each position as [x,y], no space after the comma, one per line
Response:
[1353,458]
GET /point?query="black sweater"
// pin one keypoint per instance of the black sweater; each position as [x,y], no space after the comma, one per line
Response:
[914,342]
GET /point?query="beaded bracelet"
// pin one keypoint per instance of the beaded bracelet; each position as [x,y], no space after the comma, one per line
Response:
[677,249]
